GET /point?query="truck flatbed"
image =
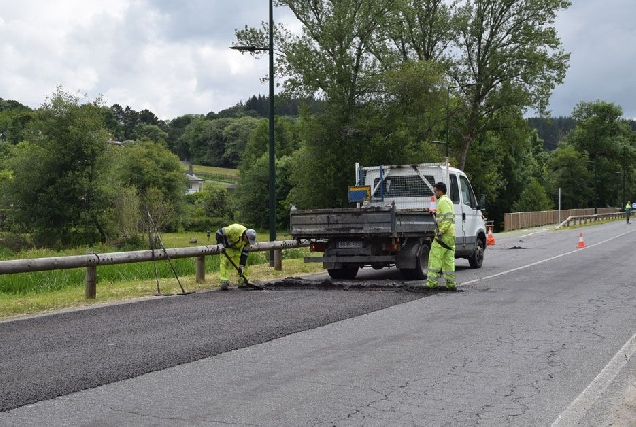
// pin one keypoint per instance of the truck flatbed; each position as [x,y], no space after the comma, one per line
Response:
[360,222]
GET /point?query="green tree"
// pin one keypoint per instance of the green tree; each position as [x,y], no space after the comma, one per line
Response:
[175,129]
[158,177]
[386,70]
[332,57]
[14,117]
[253,205]
[510,55]
[236,134]
[570,176]
[254,172]
[533,198]
[608,141]
[151,132]
[205,140]
[63,200]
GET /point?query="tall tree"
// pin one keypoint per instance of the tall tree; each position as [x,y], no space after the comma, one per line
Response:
[14,118]
[205,140]
[508,54]
[254,170]
[570,177]
[63,200]
[608,141]
[158,177]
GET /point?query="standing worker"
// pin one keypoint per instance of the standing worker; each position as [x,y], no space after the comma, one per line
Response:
[441,258]
[235,241]
[628,210]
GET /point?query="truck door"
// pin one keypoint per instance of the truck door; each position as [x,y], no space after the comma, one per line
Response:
[471,217]
[454,195]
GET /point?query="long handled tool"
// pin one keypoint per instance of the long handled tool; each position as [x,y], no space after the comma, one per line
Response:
[246,283]
[154,228]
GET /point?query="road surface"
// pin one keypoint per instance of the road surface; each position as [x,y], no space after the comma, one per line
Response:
[542,334]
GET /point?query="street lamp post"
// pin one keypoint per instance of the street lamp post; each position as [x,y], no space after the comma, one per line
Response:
[623,161]
[448,89]
[272,159]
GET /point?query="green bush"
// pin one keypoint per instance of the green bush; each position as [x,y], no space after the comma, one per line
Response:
[12,242]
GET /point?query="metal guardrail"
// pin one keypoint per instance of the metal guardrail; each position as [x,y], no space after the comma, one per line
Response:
[93,260]
[585,219]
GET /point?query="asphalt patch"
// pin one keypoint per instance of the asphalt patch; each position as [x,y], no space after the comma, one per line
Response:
[297,283]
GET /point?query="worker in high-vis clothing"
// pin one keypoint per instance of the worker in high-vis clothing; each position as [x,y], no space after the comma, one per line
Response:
[235,240]
[441,258]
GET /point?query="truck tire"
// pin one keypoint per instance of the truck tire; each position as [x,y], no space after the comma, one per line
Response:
[477,258]
[347,272]
[421,265]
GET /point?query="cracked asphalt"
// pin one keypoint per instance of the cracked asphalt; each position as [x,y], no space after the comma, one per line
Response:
[523,338]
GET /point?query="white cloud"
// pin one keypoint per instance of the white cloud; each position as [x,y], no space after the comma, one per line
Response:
[598,35]
[173,58]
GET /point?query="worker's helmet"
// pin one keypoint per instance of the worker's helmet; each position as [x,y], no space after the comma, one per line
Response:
[251,236]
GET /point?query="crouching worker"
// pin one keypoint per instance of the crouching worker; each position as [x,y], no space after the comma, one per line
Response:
[235,240]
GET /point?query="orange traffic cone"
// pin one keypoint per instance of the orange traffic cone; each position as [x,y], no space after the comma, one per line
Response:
[581,242]
[433,206]
[490,239]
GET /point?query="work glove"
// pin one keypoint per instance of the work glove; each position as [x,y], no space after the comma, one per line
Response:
[221,247]
[439,235]
[241,269]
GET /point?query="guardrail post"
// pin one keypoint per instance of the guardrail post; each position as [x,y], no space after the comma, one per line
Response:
[91,282]
[200,269]
[278,259]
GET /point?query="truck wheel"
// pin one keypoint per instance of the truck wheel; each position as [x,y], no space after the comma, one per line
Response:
[421,265]
[477,258]
[344,273]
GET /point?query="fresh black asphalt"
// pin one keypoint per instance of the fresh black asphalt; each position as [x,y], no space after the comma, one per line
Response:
[53,355]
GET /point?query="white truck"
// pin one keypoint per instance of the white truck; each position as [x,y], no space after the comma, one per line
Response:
[393,223]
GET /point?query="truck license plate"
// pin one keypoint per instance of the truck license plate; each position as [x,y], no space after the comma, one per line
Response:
[349,244]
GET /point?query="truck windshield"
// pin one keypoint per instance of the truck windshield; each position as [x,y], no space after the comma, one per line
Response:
[403,186]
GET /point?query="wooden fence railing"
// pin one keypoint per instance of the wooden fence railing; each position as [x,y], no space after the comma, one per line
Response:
[92,261]
[520,220]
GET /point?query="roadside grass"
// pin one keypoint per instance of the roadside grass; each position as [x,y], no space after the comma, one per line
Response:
[212,173]
[46,291]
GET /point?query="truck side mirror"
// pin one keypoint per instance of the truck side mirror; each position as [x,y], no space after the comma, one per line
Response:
[482,202]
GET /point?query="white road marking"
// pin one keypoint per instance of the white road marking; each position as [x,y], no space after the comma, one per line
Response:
[579,406]
[541,261]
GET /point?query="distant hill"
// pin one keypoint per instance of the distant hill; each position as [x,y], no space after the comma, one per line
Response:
[552,130]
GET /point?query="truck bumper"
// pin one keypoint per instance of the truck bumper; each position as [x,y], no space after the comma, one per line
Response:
[352,259]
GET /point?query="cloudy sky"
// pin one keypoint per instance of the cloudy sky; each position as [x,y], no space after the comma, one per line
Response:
[172,57]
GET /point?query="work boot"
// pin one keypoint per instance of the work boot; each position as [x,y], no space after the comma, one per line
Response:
[225,285]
